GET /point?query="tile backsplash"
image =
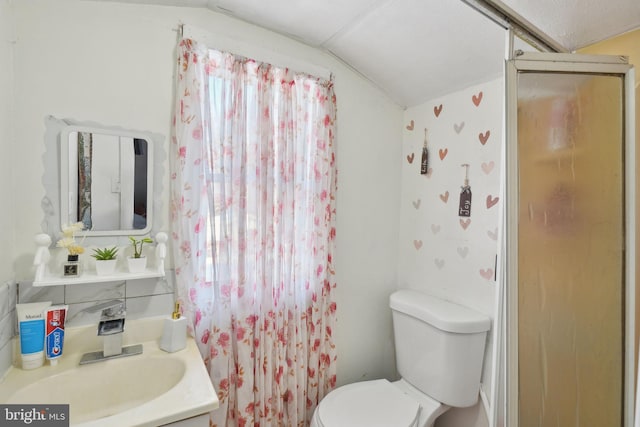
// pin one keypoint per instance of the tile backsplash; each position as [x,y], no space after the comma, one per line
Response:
[8,324]
[144,298]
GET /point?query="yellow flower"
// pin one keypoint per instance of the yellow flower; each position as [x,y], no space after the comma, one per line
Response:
[69,241]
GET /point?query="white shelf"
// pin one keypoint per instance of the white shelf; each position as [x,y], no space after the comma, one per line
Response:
[92,277]
[49,273]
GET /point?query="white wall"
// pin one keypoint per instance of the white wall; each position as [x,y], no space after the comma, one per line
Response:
[440,252]
[113,64]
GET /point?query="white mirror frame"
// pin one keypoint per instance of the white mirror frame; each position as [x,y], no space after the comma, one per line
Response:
[56,137]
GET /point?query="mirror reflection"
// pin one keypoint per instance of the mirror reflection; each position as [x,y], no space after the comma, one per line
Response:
[108,181]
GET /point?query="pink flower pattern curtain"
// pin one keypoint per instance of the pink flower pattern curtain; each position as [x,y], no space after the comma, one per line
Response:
[253,182]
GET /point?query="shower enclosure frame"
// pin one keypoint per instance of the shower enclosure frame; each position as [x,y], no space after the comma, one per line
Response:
[580,64]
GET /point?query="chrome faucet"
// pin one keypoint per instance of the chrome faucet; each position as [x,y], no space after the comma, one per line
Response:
[111,328]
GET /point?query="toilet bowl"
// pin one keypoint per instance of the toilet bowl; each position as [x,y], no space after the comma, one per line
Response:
[439,353]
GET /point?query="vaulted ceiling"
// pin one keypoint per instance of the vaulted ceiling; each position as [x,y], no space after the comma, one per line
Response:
[417,50]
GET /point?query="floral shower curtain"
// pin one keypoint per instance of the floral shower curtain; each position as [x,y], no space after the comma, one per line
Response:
[253,192]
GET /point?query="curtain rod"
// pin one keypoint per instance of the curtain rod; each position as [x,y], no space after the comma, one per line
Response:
[507,18]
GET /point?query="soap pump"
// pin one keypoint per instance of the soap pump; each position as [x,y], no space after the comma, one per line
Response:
[174,336]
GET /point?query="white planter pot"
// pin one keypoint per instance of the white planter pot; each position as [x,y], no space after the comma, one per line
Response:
[105,267]
[137,265]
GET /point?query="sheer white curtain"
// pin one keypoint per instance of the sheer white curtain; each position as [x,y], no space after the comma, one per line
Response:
[253,218]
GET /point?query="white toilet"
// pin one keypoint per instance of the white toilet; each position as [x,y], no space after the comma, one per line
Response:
[439,353]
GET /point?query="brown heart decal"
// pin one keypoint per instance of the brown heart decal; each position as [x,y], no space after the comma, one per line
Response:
[437,110]
[410,157]
[464,223]
[417,244]
[484,137]
[410,125]
[445,197]
[477,99]
[443,153]
[491,201]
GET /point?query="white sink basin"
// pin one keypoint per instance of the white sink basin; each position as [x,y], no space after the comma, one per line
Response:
[113,386]
[150,389]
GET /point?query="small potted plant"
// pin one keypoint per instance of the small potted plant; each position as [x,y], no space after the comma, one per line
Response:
[138,263]
[105,260]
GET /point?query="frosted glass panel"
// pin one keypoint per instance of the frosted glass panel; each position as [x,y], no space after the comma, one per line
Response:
[570,250]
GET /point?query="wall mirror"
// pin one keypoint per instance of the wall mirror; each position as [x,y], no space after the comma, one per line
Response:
[106,180]
[109,178]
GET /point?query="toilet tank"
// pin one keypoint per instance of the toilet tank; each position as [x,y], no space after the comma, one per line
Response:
[439,346]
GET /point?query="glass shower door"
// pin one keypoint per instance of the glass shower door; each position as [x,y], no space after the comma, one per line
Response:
[569,225]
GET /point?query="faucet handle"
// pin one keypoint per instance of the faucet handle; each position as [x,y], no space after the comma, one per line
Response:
[112,310]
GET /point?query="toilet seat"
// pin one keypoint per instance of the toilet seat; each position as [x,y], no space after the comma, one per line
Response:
[375,403]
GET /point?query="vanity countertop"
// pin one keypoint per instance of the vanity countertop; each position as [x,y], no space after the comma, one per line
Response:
[151,389]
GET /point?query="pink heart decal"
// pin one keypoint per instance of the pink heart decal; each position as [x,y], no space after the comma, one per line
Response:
[417,244]
[416,204]
[410,125]
[439,263]
[484,137]
[477,99]
[443,153]
[445,197]
[435,229]
[491,201]
[464,223]
[488,167]
[437,110]
[487,274]
[458,127]
[410,157]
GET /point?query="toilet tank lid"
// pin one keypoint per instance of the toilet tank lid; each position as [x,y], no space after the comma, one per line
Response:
[444,315]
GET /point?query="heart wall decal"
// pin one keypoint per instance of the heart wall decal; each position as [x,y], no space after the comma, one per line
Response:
[410,125]
[417,244]
[477,99]
[437,110]
[443,153]
[410,157]
[488,167]
[493,235]
[464,223]
[458,127]
[445,197]
[463,251]
[484,137]
[487,274]
[491,201]
[416,204]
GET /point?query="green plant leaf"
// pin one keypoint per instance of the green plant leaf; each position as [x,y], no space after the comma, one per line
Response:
[104,254]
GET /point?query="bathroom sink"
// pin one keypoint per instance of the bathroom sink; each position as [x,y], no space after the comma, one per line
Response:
[112,386]
[149,389]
